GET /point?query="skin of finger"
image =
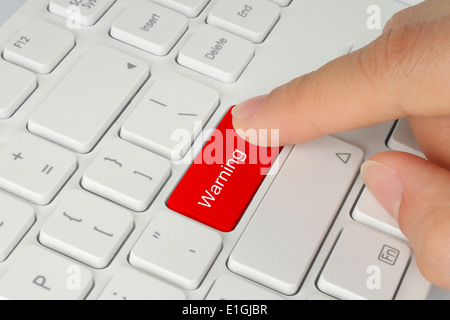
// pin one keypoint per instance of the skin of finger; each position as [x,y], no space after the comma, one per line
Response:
[405,72]
[427,10]
[424,212]
[433,136]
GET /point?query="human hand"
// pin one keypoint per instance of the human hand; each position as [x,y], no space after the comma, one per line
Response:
[404,73]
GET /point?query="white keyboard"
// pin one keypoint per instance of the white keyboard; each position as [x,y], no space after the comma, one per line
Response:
[91,92]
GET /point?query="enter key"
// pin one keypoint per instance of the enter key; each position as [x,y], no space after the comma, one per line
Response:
[223,179]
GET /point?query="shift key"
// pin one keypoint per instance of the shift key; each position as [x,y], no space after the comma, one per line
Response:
[87,101]
[221,183]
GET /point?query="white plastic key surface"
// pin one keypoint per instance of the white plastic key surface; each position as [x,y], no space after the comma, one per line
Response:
[35,169]
[87,228]
[370,212]
[282,239]
[171,115]
[126,174]
[149,27]
[177,250]
[282,3]
[16,218]
[250,19]
[39,46]
[80,12]
[190,8]
[228,287]
[38,274]
[402,139]
[216,53]
[129,284]
[16,85]
[85,103]
[364,264]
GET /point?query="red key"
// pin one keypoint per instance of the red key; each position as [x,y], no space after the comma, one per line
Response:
[220,184]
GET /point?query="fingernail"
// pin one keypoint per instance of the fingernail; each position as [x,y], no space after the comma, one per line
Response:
[249,108]
[385,185]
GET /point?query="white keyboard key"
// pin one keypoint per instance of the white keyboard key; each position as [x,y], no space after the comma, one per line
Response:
[177,250]
[87,228]
[282,3]
[320,297]
[250,19]
[38,274]
[90,97]
[190,8]
[80,12]
[16,85]
[364,264]
[225,288]
[35,169]
[129,284]
[127,175]
[16,218]
[370,212]
[216,53]
[402,139]
[411,2]
[175,108]
[281,241]
[150,27]
[39,46]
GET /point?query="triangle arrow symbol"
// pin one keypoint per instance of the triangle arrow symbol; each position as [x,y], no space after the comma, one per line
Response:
[344,157]
[131,66]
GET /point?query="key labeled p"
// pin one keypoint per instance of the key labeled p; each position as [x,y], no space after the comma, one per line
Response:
[41,281]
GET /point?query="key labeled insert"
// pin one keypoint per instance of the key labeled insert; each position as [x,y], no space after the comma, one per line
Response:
[150,27]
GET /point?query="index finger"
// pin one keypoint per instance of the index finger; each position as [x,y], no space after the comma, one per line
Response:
[405,72]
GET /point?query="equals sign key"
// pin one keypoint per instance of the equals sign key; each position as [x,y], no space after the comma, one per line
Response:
[47,169]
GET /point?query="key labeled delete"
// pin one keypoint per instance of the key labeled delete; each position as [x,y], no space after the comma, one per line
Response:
[223,179]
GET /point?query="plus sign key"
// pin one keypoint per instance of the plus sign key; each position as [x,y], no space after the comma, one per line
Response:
[35,169]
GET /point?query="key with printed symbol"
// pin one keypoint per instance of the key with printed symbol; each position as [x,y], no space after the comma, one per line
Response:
[107,79]
[217,54]
[16,85]
[83,219]
[80,12]
[191,8]
[294,214]
[250,19]
[127,174]
[177,250]
[170,116]
[39,46]
[221,182]
[35,169]
[38,274]
[150,27]
[364,264]
[16,218]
